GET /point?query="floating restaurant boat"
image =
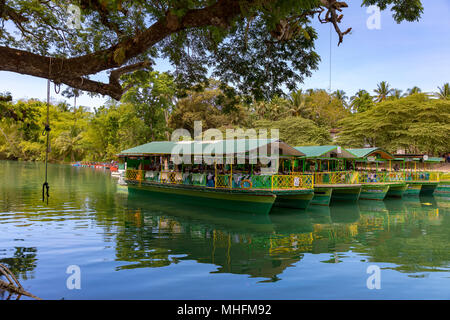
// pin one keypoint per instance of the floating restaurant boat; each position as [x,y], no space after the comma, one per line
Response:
[207,173]
[418,178]
[333,175]
[377,176]
[444,184]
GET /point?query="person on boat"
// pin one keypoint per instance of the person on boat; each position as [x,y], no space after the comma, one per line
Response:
[210,180]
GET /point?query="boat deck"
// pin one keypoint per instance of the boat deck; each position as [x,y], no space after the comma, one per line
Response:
[341,185]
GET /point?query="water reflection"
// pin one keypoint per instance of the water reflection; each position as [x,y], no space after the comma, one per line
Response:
[401,232]
[88,211]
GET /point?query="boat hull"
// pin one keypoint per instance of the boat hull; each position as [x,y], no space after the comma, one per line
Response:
[249,202]
[294,201]
[443,188]
[396,191]
[428,188]
[346,193]
[413,189]
[374,191]
[322,196]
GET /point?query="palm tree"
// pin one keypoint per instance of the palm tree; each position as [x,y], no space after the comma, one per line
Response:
[413,90]
[261,108]
[395,94]
[297,103]
[361,101]
[340,95]
[383,90]
[444,92]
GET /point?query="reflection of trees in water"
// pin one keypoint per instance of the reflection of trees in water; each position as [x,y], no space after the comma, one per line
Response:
[409,236]
[413,234]
[149,240]
[83,190]
[22,263]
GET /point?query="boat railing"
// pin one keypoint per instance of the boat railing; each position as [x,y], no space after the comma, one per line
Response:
[293,181]
[444,176]
[368,177]
[225,181]
[135,175]
[336,177]
[422,176]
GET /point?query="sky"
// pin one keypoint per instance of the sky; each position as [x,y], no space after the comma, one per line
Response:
[405,55]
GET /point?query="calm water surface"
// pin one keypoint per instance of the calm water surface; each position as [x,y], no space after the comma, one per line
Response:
[130,248]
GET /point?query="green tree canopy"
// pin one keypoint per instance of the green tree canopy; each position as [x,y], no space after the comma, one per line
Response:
[297,131]
[256,46]
[415,123]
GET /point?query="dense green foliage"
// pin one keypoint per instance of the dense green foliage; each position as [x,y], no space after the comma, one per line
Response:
[75,134]
[256,47]
[416,123]
[151,110]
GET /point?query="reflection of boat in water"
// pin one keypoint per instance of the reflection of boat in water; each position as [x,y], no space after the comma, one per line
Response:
[442,200]
[373,206]
[319,214]
[395,206]
[344,212]
[221,217]
[428,201]
[288,221]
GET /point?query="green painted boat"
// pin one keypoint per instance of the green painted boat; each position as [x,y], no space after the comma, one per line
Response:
[322,196]
[259,202]
[374,191]
[215,181]
[396,190]
[428,188]
[443,188]
[413,189]
[296,200]
[346,193]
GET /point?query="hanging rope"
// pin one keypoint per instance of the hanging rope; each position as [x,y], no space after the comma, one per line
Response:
[331,36]
[46,132]
[59,87]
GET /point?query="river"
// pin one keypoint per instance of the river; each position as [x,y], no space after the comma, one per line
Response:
[125,246]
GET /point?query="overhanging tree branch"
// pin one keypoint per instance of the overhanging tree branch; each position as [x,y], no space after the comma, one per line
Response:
[75,71]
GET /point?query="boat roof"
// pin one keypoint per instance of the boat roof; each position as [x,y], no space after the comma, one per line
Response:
[417,157]
[363,153]
[217,147]
[324,151]
[434,159]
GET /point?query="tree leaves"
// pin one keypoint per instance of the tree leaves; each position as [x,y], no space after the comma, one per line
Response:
[415,123]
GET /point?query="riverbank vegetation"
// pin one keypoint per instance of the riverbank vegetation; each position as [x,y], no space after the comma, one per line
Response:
[153,108]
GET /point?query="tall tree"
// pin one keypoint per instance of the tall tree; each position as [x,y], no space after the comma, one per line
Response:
[413,90]
[395,94]
[298,104]
[153,96]
[236,40]
[444,92]
[415,123]
[382,91]
[341,95]
[361,101]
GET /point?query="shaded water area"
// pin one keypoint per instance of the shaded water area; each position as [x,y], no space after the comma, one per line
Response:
[129,246]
